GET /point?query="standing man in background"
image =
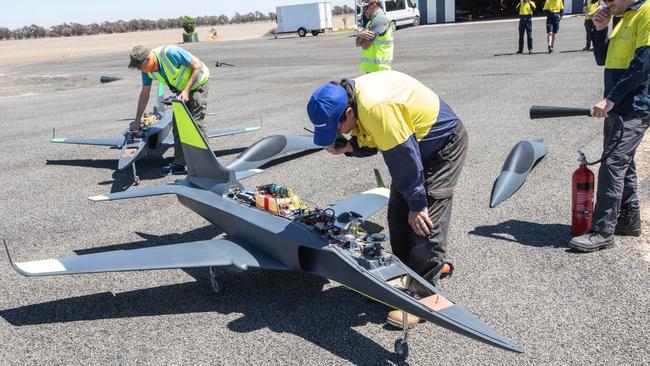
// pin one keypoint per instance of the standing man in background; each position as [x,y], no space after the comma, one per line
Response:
[554,10]
[376,39]
[526,8]
[626,109]
[185,75]
[590,7]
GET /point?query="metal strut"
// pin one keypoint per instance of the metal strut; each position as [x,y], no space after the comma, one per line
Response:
[136,179]
[401,344]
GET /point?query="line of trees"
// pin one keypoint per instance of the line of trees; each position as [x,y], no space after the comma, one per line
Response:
[342,10]
[135,25]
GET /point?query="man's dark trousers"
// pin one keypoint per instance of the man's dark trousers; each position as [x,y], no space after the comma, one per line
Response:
[525,26]
[617,185]
[424,255]
[589,27]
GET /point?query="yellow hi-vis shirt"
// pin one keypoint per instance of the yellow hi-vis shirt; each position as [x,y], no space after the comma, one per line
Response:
[526,8]
[632,32]
[391,107]
[590,8]
[554,6]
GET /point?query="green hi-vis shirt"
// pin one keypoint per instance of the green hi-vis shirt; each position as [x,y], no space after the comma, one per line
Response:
[526,7]
[554,6]
[631,33]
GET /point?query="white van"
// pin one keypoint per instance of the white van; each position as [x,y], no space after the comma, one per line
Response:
[398,12]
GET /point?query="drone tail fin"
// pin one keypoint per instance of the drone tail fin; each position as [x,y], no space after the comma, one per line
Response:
[201,161]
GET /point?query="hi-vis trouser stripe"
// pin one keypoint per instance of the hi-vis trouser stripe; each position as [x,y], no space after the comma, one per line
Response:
[375,61]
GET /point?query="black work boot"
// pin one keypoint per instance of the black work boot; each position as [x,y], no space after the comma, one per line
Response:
[628,222]
[592,241]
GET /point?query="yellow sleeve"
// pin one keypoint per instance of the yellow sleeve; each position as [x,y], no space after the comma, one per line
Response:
[643,30]
[388,123]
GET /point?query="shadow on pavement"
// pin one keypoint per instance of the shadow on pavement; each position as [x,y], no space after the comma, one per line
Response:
[527,233]
[86,163]
[572,51]
[524,53]
[220,153]
[284,302]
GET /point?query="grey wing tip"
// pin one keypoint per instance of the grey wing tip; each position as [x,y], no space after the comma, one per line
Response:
[7,250]
[518,349]
[11,261]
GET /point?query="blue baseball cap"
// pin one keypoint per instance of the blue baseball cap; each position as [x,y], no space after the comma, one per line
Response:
[325,109]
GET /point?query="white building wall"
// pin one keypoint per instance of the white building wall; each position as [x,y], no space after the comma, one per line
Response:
[450,11]
[431,11]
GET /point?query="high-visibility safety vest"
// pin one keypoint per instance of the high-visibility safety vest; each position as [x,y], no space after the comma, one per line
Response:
[177,77]
[379,56]
[590,8]
[525,8]
[632,32]
[554,6]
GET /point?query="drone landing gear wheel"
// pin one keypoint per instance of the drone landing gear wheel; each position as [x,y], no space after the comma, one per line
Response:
[401,349]
[216,279]
[401,345]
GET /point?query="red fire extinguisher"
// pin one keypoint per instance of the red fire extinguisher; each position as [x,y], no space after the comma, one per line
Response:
[582,197]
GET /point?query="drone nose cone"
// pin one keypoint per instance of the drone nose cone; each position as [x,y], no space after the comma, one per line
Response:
[505,186]
[522,159]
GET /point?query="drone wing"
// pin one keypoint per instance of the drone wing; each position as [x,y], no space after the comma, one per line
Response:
[207,253]
[113,142]
[364,204]
[169,140]
[232,131]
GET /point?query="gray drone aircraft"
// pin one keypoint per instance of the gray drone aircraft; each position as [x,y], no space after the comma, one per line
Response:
[152,141]
[335,242]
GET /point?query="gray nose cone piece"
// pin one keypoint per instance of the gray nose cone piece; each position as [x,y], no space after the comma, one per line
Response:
[522,159]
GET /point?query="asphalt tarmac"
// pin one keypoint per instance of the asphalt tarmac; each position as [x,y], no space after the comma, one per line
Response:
[514,269]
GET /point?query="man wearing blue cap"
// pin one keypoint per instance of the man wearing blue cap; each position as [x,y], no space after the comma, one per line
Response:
[424,145]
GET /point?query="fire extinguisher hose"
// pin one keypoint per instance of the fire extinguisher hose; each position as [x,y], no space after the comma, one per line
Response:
[537,112]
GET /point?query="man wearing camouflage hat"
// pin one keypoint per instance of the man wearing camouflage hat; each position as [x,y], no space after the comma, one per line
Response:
[376,38]
[185,75]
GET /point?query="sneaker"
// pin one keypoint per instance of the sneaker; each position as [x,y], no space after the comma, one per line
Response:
[530,50]
[550,49]
[173,169]
[628,223]
[592,241]
[396,319]
[519,52]
[586,48]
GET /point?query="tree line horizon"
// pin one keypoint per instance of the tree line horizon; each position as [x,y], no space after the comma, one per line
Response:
[135,25]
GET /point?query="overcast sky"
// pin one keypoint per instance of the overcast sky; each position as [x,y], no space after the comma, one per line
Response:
[19,13]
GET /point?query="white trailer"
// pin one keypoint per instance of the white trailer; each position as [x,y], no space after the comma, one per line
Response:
[311,18]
